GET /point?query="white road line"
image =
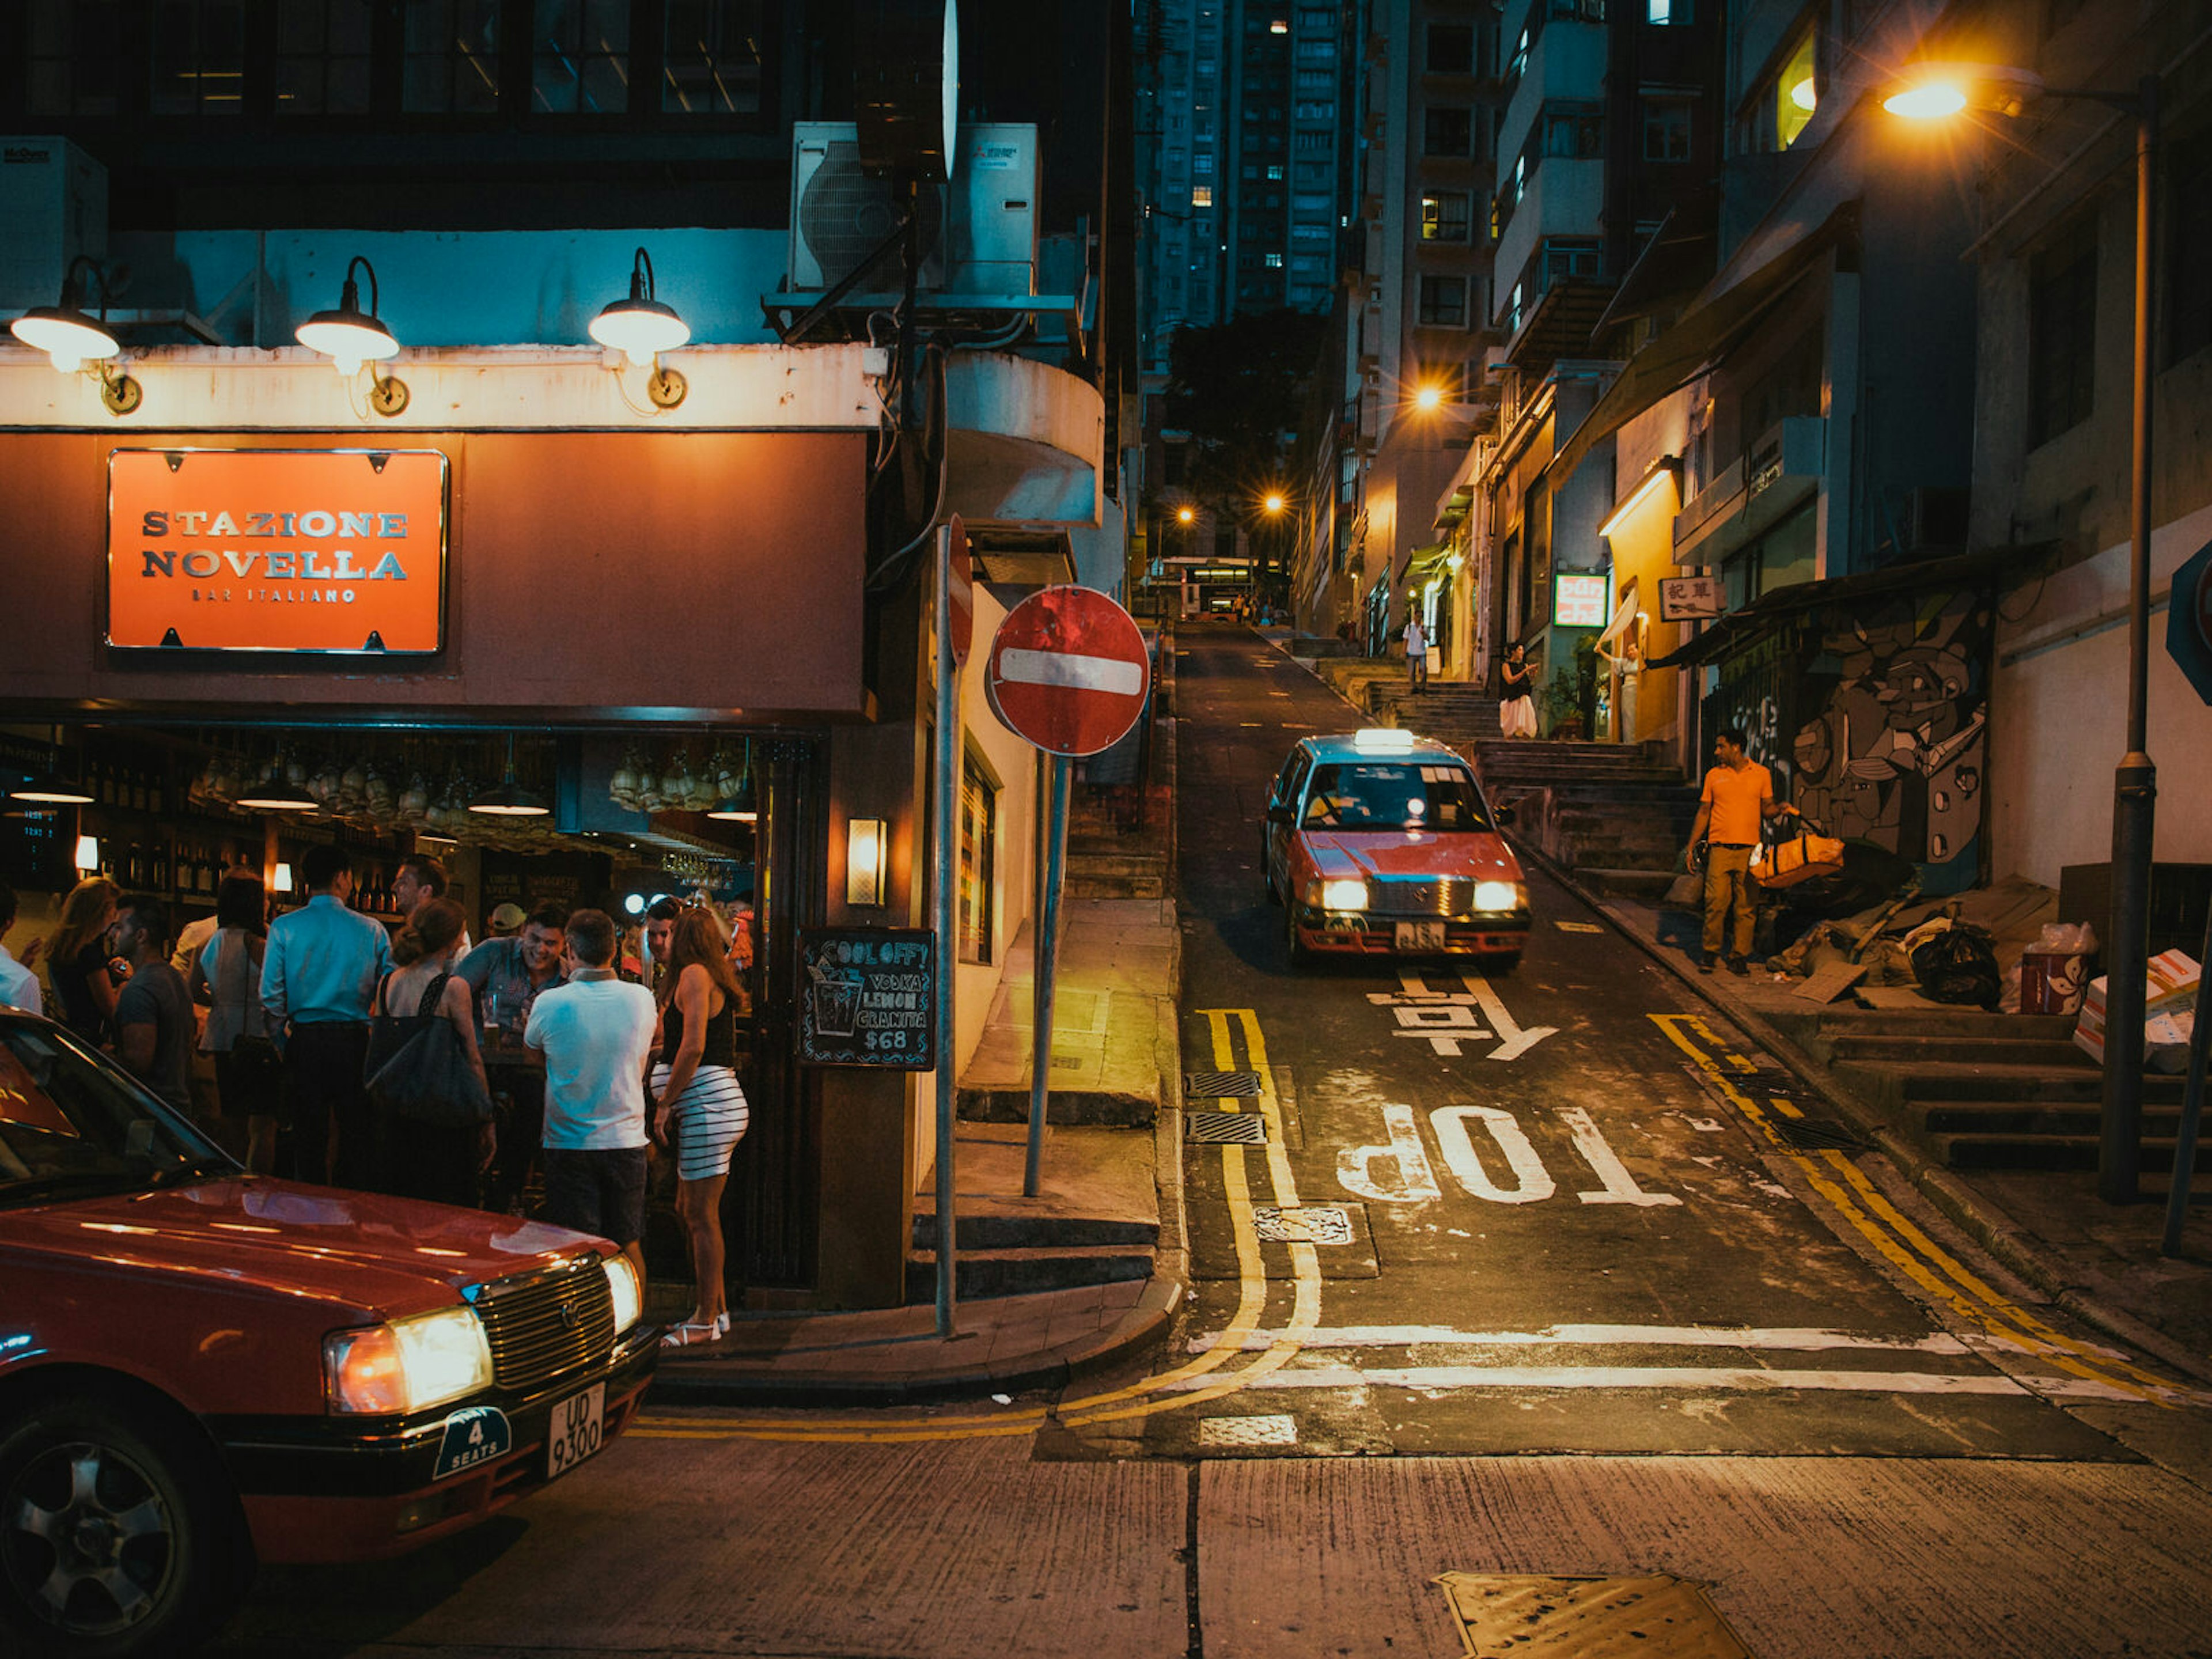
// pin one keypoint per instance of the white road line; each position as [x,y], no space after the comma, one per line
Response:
[1116,675]
[1695,1378]
[1792,1339]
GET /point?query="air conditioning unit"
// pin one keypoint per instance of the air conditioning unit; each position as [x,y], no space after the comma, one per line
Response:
[53,206]
[978,232]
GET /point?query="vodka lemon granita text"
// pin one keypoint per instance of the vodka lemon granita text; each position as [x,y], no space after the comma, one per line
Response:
[215,551]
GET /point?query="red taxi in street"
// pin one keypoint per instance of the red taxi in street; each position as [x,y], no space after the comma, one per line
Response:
[1380,843]
[201,1370]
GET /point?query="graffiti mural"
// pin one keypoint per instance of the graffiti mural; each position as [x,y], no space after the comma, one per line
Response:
[1872,715]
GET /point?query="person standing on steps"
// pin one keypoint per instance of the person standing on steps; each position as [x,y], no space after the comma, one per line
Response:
[1417,653]
[1738,795]
[1516,702]
[699,1105]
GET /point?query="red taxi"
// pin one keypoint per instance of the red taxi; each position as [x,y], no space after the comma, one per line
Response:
[1380,843]
[201,1370]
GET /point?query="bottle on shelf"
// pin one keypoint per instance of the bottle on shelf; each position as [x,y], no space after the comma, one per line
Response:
[161,870]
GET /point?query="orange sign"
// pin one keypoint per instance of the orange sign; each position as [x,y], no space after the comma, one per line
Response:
[276,549]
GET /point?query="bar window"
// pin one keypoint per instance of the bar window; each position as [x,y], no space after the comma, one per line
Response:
[713,62]
[199,57]
[452,57]
[979,853]
[580,58]
[323,52]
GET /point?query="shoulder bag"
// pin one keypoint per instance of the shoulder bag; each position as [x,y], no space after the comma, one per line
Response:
[417,1069]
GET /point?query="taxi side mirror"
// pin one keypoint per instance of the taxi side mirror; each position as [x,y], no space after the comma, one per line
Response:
[1278,813]
[1503,815]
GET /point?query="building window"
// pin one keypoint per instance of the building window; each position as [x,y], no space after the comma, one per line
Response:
[1666,130]
[1444,302]
[712,65]
[979,850]
[1275,171]
[199,57]
[1274,262]
[1518,65]
[1795,93]
[1569,256]
[452,57]
[2061,330]
[1451,49]
[76,53]
[1201,196]
[1446,131]
[323,52]
[1664,14]
[1445,216]
[1573,134]
[580,58]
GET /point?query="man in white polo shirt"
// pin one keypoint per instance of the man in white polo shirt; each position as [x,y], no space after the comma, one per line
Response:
[596,1033]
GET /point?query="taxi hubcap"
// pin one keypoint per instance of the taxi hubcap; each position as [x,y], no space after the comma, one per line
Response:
[86,1539]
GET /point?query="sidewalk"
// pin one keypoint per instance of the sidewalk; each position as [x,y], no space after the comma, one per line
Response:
[2098,1262]
[1115,1058]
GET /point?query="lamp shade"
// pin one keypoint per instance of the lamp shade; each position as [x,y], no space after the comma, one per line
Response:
[87,853]
[51,789]
[507,798]
[66,335]
[639,326]
[867,848]
[274,793]
[350,334]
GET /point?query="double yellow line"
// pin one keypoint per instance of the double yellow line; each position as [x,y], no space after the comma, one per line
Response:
[1169,1390]
[1900,1241]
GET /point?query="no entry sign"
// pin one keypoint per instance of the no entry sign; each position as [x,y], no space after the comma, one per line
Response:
[2189,621]
[1068,672]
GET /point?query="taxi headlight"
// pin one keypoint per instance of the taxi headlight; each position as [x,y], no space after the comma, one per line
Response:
[623,1287]
[1499,896]
[409,1364]
[1343,894]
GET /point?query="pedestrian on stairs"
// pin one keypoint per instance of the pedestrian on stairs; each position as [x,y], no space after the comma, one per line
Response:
[1517,703]
[1417,653]
[1739,794]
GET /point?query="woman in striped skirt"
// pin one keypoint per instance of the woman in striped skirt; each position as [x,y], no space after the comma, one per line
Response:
[699,1105]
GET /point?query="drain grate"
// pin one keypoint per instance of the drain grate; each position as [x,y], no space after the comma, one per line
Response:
[1214,1085]
[1814,1134]
[1318,1223]
[1228,1128]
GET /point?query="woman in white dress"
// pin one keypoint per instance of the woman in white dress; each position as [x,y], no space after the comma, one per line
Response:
[1517,703]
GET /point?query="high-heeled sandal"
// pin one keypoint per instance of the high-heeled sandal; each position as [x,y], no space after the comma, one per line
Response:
[695,1333]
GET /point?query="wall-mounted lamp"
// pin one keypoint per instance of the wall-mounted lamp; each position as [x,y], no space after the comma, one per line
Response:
[1667,466]
[280,879]
[641,328]
[867,846]
[88,855]
[71,337]
[351,337]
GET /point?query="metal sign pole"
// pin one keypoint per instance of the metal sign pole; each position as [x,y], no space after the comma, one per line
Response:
[1047,959]
[947,831]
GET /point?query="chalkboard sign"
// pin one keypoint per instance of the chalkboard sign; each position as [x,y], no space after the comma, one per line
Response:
[868,997]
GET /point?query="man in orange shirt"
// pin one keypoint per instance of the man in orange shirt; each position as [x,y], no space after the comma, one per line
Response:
[1739,794]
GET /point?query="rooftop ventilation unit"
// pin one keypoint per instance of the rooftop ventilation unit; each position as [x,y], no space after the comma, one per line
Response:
[978,232]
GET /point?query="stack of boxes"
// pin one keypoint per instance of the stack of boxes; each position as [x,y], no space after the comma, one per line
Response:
[2169,994]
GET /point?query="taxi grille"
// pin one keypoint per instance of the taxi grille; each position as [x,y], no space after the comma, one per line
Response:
[547,1325]
[1447,896]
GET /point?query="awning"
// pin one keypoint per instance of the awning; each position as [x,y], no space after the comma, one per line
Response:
[1708,331]
[1422,560]
[1740,630]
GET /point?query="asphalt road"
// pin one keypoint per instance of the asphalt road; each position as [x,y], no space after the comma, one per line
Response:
[1587,1304]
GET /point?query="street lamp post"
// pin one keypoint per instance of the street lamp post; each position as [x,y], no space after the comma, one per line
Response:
[1942,90]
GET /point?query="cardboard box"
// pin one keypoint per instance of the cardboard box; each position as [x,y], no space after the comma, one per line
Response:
[2169,991]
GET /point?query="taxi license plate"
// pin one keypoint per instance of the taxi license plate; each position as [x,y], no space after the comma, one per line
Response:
[1421,936]
[575,1429]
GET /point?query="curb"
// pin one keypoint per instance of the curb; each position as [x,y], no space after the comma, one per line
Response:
[2013,1246]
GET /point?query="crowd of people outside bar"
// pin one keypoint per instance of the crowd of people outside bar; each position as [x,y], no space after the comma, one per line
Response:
[589,1061]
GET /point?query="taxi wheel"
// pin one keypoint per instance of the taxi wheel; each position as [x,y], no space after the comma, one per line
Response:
[1299,955]
[1500,966]
[118,1533]
[1268,878]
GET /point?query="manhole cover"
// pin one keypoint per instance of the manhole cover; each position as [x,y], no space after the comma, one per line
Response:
[1320,1224]
[1228,1128]
[1658,1617]
[1214,1085]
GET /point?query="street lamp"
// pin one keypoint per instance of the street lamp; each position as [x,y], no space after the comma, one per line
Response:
[1937,90]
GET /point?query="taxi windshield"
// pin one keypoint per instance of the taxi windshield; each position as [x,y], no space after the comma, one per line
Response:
[1394,795]
[72,1125]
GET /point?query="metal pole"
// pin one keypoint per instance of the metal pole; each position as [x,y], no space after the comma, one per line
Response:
[946,829]
[2192,1106]
[2135,783]
[1047,959]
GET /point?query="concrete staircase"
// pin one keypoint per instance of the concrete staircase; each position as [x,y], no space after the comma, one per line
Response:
[1095,1222]
[1610,812]
[1986,1091]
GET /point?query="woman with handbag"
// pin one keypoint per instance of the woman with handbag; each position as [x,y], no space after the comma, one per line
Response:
[431,1104]
[226,978]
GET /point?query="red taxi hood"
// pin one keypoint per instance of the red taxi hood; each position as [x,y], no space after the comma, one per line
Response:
[392,1255]
[1478,855]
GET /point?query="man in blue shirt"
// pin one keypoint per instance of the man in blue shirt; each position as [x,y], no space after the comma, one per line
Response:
[318,976]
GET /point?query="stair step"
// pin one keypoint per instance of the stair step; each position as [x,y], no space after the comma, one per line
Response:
[1082,885]
[1944,1021]
[1041,1231]
[2002,1151]
[1945,1080]
[2047,1054]
[982,1273]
